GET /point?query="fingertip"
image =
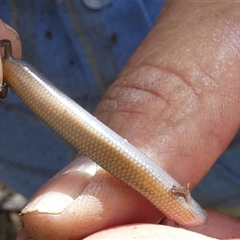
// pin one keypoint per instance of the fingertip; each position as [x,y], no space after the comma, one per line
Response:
[103,200]
[62,190]
[7,32]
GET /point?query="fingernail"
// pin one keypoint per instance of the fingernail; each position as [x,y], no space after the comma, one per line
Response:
[64,188]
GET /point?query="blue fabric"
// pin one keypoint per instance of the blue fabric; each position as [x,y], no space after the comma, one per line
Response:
[81,51]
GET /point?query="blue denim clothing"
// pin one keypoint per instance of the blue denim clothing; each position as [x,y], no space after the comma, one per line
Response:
[81,46]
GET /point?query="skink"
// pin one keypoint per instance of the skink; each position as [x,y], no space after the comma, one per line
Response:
[113,153]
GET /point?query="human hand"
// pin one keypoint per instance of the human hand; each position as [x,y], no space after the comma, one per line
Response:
[7,32]
[178,101]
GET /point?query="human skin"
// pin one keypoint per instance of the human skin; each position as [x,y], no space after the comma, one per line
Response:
[7,32]
[177,100]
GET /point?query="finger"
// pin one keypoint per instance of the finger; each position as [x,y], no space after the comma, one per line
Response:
[138,231]
[218,226]
[6,32]
[82,199]
[176,101]
[147,231]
